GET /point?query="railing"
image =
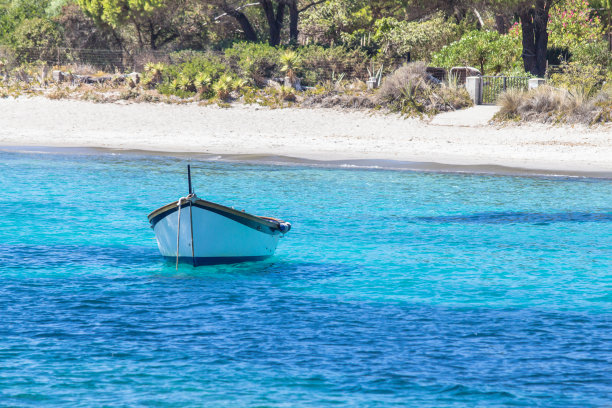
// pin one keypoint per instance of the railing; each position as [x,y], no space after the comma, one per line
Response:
[493,86]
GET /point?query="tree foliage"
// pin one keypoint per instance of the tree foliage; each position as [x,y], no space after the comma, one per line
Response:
[153,22]
[488,51]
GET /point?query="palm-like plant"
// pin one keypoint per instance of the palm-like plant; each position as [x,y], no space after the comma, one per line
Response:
[153,73]
[185,83]
[202,82]
[224,86]
[291,63]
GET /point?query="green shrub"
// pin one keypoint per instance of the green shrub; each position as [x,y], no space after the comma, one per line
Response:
[488,51]
[593,53]
[37,38]
[14,13]
[254,61]
[397,38]
[573,24]
[320,64]
[185,79]
[574,75]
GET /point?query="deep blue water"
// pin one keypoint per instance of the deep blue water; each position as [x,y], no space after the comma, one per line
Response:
[392,289]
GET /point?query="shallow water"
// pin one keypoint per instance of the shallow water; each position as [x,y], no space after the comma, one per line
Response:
[393,288]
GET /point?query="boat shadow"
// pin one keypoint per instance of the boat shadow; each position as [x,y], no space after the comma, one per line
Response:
[276,265]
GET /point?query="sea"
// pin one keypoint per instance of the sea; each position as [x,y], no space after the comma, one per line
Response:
[394,288]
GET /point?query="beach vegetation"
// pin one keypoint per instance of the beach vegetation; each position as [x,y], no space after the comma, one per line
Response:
[412,91]
[307,52]
[548,104]
[153,74]
[255,62]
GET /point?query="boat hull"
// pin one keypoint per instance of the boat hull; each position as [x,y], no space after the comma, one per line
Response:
[209,233]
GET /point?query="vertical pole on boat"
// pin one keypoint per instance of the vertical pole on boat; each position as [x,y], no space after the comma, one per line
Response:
[189,178]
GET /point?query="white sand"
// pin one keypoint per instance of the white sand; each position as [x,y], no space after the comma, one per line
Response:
[323,134]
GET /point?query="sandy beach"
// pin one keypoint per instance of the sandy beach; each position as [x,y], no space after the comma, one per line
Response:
[457,138]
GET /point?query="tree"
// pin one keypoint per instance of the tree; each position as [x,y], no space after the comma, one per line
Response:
[534,16]
[274,12]
[152,20]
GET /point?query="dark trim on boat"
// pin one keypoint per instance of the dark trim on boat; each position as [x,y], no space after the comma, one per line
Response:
[251,221]
[216,260]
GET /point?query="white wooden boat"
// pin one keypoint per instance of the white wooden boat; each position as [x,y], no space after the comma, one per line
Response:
[199,232]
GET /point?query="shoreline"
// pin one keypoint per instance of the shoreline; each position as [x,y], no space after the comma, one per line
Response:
[453,142]
[358,164]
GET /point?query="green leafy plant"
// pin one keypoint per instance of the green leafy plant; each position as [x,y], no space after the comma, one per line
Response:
[223,87]
[254,61]
[574,75]
[488,51]
[202,82]
[153,73]
[291,62]
[195,75]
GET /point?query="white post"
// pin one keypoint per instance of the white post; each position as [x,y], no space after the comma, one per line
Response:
[473,84]
[536,82]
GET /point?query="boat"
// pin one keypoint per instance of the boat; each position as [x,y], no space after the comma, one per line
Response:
[199,232]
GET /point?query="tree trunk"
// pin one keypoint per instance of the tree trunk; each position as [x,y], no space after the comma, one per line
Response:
[275,19]
[541,35]
[152,36]
[534,22]
[245,24]
[529,51]
[294,15]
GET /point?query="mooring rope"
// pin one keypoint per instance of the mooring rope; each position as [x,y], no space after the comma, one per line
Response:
[178,229]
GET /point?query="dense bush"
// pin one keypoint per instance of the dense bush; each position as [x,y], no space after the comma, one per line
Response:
[396,38]
[334,20]
[588,78]
[488,51]
[572,24]
[593,53]
[197,75]
[410,91]
[317,64]
[15,12]
[37,38]
[255,61]
[321,64]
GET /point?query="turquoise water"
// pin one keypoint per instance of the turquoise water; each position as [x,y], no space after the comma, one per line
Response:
[392,289]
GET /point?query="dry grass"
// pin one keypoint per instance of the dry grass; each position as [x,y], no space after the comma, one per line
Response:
[553,105]
[411,91]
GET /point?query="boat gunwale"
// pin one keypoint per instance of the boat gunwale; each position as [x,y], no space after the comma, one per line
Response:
[220,209]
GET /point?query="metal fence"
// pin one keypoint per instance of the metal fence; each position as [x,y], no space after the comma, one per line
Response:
[105,60]
[493,86]
[122,61]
